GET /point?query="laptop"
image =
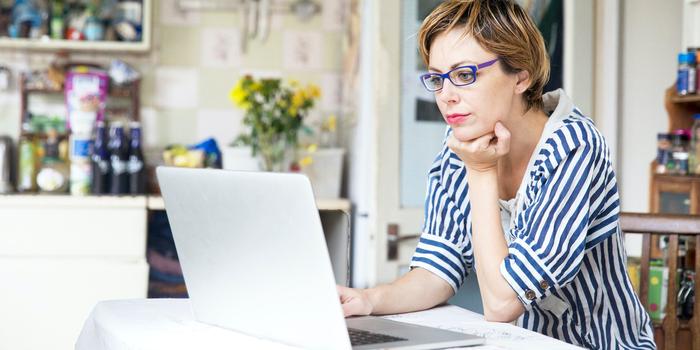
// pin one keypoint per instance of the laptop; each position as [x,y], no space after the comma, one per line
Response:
[255,260]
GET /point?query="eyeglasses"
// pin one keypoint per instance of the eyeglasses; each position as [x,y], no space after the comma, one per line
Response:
[459,76]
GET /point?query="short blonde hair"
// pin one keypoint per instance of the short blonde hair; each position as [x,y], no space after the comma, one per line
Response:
[499,26]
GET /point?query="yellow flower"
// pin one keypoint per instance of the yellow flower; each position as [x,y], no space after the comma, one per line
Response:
[298,99]
[292,111]
[312,148]
[314,91]
[238,95]
[306,161]
[293,83]
[256,86]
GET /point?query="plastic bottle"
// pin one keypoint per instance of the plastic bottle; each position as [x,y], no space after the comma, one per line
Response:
[692,84]
[682,81]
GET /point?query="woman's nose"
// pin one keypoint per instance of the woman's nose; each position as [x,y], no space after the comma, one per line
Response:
[448,94]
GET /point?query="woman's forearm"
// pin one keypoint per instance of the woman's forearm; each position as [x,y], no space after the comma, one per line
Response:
[419,289]
[490,248]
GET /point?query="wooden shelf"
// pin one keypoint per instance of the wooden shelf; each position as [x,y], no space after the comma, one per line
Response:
[114,90]
[685,99]
[72,45]
[682,324]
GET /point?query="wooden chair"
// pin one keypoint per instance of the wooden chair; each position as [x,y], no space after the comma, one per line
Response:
[671,333]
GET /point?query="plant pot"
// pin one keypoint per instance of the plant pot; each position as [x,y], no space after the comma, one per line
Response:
[326,172]
[239,158]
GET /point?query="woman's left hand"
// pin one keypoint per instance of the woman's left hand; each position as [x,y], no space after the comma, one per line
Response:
[482,154]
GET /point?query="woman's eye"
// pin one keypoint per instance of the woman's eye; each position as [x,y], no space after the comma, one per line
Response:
[465,76]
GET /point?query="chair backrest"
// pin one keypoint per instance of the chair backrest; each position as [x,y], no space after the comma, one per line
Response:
[673,226]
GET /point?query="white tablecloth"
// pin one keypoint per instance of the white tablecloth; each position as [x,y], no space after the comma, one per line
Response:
[168,324]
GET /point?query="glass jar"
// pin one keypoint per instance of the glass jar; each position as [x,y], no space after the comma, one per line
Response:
[680,152]
[663,152]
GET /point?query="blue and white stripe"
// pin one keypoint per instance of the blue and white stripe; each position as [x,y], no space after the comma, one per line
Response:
[565,233]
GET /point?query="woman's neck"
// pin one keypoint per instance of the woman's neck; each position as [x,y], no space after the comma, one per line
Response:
[525,131]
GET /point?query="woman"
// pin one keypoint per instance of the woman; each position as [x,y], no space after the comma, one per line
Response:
[523,191]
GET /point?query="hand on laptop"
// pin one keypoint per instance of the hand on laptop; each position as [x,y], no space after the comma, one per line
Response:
[354,301]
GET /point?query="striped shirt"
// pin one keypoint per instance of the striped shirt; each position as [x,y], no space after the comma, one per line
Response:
[566,258]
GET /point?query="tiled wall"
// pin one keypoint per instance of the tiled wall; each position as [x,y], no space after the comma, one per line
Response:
[196,58]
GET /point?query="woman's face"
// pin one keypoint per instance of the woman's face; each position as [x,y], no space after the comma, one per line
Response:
[472,110]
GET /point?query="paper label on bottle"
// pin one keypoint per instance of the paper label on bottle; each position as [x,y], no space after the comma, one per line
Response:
[118,165]
[135,165]
[80,148]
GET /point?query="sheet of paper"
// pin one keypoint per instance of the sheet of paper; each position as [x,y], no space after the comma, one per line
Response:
[504,335]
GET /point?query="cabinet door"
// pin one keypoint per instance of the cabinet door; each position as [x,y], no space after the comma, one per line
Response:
[673,196]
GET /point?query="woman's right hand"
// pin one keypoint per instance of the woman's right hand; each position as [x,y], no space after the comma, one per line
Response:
[354,301]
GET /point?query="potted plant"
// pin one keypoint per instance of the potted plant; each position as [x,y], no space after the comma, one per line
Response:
[274,115]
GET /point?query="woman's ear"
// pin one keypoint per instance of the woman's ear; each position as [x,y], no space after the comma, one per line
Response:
[523,81]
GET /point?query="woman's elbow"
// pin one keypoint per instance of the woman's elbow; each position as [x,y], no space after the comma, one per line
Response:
[500,316]
[506,312]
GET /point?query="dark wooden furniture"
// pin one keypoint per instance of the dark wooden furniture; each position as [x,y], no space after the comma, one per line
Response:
[130,93]
[671,333]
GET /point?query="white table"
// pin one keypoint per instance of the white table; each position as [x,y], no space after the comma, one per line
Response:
[146,324]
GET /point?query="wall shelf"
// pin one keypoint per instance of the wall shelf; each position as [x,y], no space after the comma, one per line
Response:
[142,46]
[71,45]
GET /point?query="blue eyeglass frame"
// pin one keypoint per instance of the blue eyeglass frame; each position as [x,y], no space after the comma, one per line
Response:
[474,69]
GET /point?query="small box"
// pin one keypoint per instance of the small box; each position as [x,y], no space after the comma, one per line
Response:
[658,288]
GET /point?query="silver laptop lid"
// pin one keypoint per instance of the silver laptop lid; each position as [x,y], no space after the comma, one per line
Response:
[253,254]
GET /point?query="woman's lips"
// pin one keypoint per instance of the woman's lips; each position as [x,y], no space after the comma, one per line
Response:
[456,118]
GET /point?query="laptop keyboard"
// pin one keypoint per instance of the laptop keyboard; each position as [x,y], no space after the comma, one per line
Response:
[360,337]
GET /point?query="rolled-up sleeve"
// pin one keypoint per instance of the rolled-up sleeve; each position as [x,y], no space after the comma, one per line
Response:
[548,249]
[444,248]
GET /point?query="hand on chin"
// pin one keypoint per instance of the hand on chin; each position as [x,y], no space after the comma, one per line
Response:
[480,153]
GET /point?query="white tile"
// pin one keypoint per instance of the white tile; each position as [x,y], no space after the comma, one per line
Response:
[335,13]
[171,14]
[224,125]
[259,73]
[177,88]
[221,47]
[331,92]
[149,125]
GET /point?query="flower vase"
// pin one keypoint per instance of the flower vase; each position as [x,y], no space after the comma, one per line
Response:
[273,153]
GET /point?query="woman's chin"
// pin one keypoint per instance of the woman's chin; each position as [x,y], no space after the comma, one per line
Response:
[465,134]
